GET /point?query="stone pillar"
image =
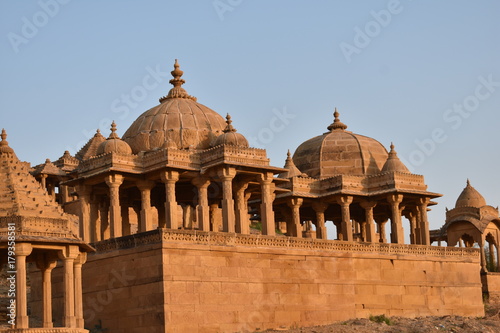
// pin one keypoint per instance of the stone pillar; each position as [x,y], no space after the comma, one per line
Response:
[115,220]
[80,260]
[242,220]
[344,202]
[483,255]
[171,216]
[126,228]
[95,221]
[319,208]
[295,229]
[381,230]
[104,220]
[145,220]
[85,221]
[425,236]
[266,206]
[22,251]
[43,180]
[397,234]
[68,256]
[412,217]
[226,174]
[202,209]
[369,228]
[498,258]
[45,265]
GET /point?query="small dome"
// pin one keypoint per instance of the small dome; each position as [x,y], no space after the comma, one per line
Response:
[178,120]
[114,144]
[470,197]
[340,152]
[230,137]
[393,163]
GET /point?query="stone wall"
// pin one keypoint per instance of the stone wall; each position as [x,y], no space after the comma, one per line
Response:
[491,286]
[187,281]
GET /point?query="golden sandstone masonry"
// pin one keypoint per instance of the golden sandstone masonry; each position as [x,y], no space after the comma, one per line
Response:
[194,231]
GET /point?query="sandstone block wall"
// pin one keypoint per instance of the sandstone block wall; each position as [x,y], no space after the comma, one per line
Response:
[186,281]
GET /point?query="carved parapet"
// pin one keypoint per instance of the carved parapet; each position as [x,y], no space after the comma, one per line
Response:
[38,226]
[233,155]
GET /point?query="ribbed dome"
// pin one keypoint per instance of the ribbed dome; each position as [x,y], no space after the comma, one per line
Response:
[114,144]
[230,137]
[340,152]
[393,163]
[470,197]
[178,120]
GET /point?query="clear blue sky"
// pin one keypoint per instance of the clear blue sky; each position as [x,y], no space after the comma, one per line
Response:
[397,71]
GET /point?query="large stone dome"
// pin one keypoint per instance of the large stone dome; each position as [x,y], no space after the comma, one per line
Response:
[340,152]
[178,121]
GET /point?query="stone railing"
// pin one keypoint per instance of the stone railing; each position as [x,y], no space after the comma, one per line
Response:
[38,226]
[286,243]
[235,154]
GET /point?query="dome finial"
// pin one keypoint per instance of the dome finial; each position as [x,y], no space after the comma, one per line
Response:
[468,182]
[288,155]
[392,147]
[177,91]
[229,127]
[113,134]
[4,145]
[337,124]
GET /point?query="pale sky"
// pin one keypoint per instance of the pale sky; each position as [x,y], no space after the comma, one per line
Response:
[423,74]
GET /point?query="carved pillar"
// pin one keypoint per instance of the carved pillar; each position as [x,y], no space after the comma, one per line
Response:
[295,229]
[369,228]
[115,220]
[22,251]
[344,202]
[226,174]
[146,219]
[104,220]
[95,221]
[126,228]
[68,256]
[242,220]
[171,218]
[319,208]
[397,234]
[425,237]
[412,217]
[266,206]
[43,180]
[80,260]
[381,230]
[202,209]
[85,221]
[498,258]
[45,265]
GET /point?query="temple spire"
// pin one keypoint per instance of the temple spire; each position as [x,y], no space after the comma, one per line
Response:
[337,124]
[177,91]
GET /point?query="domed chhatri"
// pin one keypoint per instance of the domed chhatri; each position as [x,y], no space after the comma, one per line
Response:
[230,137]
[470,197]
[393,163]
[114,144]
[340,152]
[178,120]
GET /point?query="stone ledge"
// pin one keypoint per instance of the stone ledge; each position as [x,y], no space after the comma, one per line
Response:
[44,330]
[286,243]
